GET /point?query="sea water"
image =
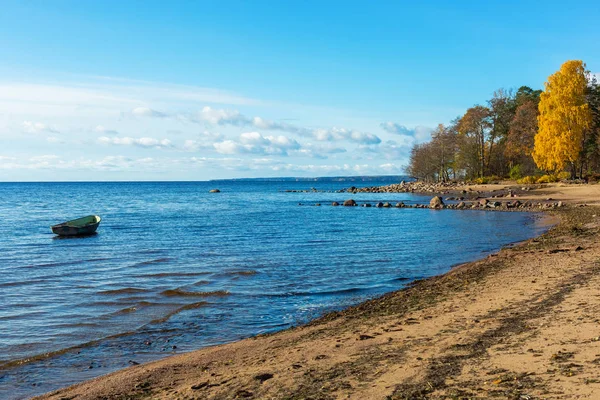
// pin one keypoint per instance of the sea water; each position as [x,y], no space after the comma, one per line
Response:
[174,268]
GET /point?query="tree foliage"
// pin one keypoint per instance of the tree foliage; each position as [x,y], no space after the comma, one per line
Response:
[520,138]
[564,118]
[433,161]
[554,130]
[476,126]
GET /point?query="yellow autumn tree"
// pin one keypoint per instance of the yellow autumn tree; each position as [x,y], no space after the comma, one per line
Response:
[564,117]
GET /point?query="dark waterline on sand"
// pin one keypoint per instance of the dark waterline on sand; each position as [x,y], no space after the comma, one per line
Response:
[174,268]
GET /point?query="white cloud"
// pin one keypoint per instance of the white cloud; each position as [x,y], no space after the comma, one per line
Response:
[37,127]
[355,136]
[107,163]
[151,115]
[231,147]
[319,151]
[104,131]
[265,165]
[147,112]
[335,169]
[139,142]
[261,123]
[223,117]
[37,162]
[419,133]
[390,149]
[391,168]
[195,145]
[235,118]
[120,163]
[204,141]
[255,143]
[254,138]
[270,165]
[283,142]
[392,127]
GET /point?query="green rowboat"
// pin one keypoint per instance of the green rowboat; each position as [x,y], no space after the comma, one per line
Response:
[78,227]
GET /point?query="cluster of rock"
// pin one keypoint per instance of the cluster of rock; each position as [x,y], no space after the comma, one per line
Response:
[438,203]
[311,190]
[516,204]
[402,187]
[352,203]
[408,187]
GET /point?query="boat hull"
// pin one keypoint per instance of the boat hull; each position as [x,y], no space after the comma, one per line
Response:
[78,227]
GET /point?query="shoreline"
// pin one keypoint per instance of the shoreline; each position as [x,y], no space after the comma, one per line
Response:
[365,351]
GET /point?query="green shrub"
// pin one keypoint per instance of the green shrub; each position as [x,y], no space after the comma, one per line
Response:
[516,172]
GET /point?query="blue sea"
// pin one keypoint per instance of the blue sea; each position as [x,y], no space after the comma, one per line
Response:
[174,268]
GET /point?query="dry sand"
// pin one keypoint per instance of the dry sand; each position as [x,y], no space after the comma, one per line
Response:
[521,324]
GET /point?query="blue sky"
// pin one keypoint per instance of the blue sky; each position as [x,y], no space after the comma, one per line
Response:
[217,89]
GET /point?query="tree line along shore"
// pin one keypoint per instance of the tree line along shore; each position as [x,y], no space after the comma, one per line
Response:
[528,135]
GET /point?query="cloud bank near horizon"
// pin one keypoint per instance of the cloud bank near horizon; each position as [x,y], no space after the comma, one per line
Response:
[132,126]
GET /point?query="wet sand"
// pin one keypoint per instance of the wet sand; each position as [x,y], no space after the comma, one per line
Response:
[522,323]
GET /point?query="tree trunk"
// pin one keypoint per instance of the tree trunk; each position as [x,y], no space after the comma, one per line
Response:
[481,153]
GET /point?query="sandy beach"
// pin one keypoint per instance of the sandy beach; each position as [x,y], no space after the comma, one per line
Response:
[520,324]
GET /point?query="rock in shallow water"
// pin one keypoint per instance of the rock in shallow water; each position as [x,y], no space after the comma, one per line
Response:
[436,202]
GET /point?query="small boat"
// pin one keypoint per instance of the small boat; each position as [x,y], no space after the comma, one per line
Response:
[78,227]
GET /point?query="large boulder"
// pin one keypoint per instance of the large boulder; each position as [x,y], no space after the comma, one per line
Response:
[379,205]
[349,203]
[214,191]
[483,202]
[335,203]
[436,202]
[461,205]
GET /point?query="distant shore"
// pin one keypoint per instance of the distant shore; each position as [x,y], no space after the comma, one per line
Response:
[521,322]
